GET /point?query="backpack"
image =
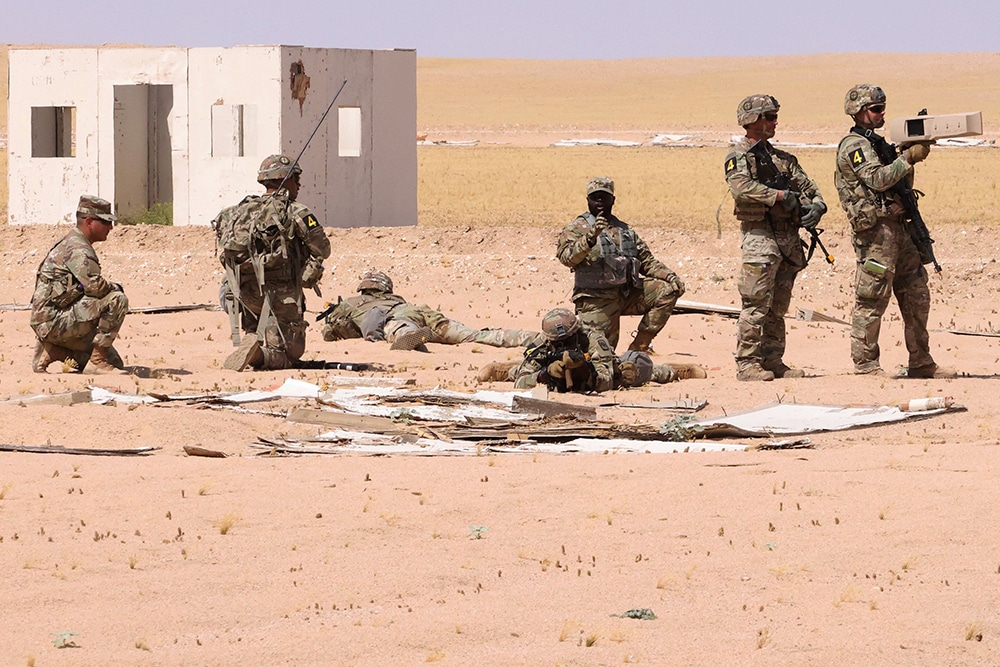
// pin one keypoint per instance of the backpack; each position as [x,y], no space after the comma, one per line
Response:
[258,231]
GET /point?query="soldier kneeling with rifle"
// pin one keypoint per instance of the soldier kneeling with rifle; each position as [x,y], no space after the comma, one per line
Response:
[578,358]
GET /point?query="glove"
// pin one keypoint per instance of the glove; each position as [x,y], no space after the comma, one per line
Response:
[628,374]
[675,281]
[813,213]
[556,370]
[790,200]
[916,153]
[599,226]
[573,359]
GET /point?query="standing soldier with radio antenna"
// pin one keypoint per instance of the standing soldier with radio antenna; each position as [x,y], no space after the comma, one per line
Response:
[770,217]
[868,171]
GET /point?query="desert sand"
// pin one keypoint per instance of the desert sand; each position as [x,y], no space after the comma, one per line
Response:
[874,547]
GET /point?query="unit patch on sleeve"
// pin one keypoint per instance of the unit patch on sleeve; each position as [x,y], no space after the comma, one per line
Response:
[311,221]
[857,158]
[730,165]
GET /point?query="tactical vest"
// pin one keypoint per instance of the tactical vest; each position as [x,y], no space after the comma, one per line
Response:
[754,211]
[607,265]
[367,302]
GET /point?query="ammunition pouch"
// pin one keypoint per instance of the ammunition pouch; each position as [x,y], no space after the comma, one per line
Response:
[312,273]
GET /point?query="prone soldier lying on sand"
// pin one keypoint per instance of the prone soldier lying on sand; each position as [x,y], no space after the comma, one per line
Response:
[378,314]
[577,357]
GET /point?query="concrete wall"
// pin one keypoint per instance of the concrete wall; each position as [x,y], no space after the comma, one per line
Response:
[46,190]
[221,80]
[191,126]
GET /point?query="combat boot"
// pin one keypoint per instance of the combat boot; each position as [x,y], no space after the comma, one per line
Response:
[754,373]
[931,372]
[874,371]
[247,354]
[780,370]
[413,339]
[45,354]
[642,342]
[497,371]
[689,371]
[106,359]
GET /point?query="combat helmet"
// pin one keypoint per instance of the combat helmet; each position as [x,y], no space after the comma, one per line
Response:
[753,106]
[860,96]
[373,279]
[560,323]
[276,168]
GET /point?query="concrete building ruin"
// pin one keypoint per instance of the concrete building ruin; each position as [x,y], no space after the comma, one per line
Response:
[189,127]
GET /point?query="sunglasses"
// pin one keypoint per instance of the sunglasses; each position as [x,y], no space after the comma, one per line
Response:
[876,108]
[770,117]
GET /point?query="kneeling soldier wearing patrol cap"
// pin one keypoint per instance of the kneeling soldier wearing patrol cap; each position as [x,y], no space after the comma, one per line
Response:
[75,312]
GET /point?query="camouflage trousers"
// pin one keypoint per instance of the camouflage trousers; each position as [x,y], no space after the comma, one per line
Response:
[89,322]
[407,317]
[771,260]
[283,332]
[889,244]
[602,309]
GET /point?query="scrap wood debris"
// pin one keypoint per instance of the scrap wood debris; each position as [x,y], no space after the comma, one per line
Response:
[58,449]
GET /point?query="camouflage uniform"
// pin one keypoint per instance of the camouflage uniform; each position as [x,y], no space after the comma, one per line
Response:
[73,308]
[880,237]
[586,356]
[616,274]
[283,339]
[772,253]
[597,375]
[353,318]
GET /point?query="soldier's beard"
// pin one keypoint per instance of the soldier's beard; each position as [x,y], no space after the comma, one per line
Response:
[596,209]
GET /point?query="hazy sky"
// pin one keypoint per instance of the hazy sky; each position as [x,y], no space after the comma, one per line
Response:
[551,29]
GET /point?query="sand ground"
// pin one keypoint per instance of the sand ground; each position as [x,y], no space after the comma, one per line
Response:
[874,548]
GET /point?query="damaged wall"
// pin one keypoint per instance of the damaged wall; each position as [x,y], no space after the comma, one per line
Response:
[140,126]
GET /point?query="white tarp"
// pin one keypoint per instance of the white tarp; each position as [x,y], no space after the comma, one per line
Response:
[797,419]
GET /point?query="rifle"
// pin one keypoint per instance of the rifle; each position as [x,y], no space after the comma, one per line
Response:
[907,197]
[545,355]
[330,307]
[769,175]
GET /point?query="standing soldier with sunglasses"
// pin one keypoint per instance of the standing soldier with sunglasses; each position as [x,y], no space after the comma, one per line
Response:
[888,261]
[770,216]
[75,312]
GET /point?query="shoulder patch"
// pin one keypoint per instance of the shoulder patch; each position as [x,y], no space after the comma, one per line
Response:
[604,344]
[730,165]
[857,158]
[311,221]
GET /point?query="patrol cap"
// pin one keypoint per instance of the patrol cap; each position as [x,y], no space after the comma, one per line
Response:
[601,184]
[95,207]
[752,107]
[276,168]
[860,96]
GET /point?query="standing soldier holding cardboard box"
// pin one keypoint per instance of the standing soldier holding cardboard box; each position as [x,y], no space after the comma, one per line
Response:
[888,261]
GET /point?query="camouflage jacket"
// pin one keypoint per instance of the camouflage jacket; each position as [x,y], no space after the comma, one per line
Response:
[597,375]
[754,200]
[862,181]
[344,321]
[69,272]
[616,257]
